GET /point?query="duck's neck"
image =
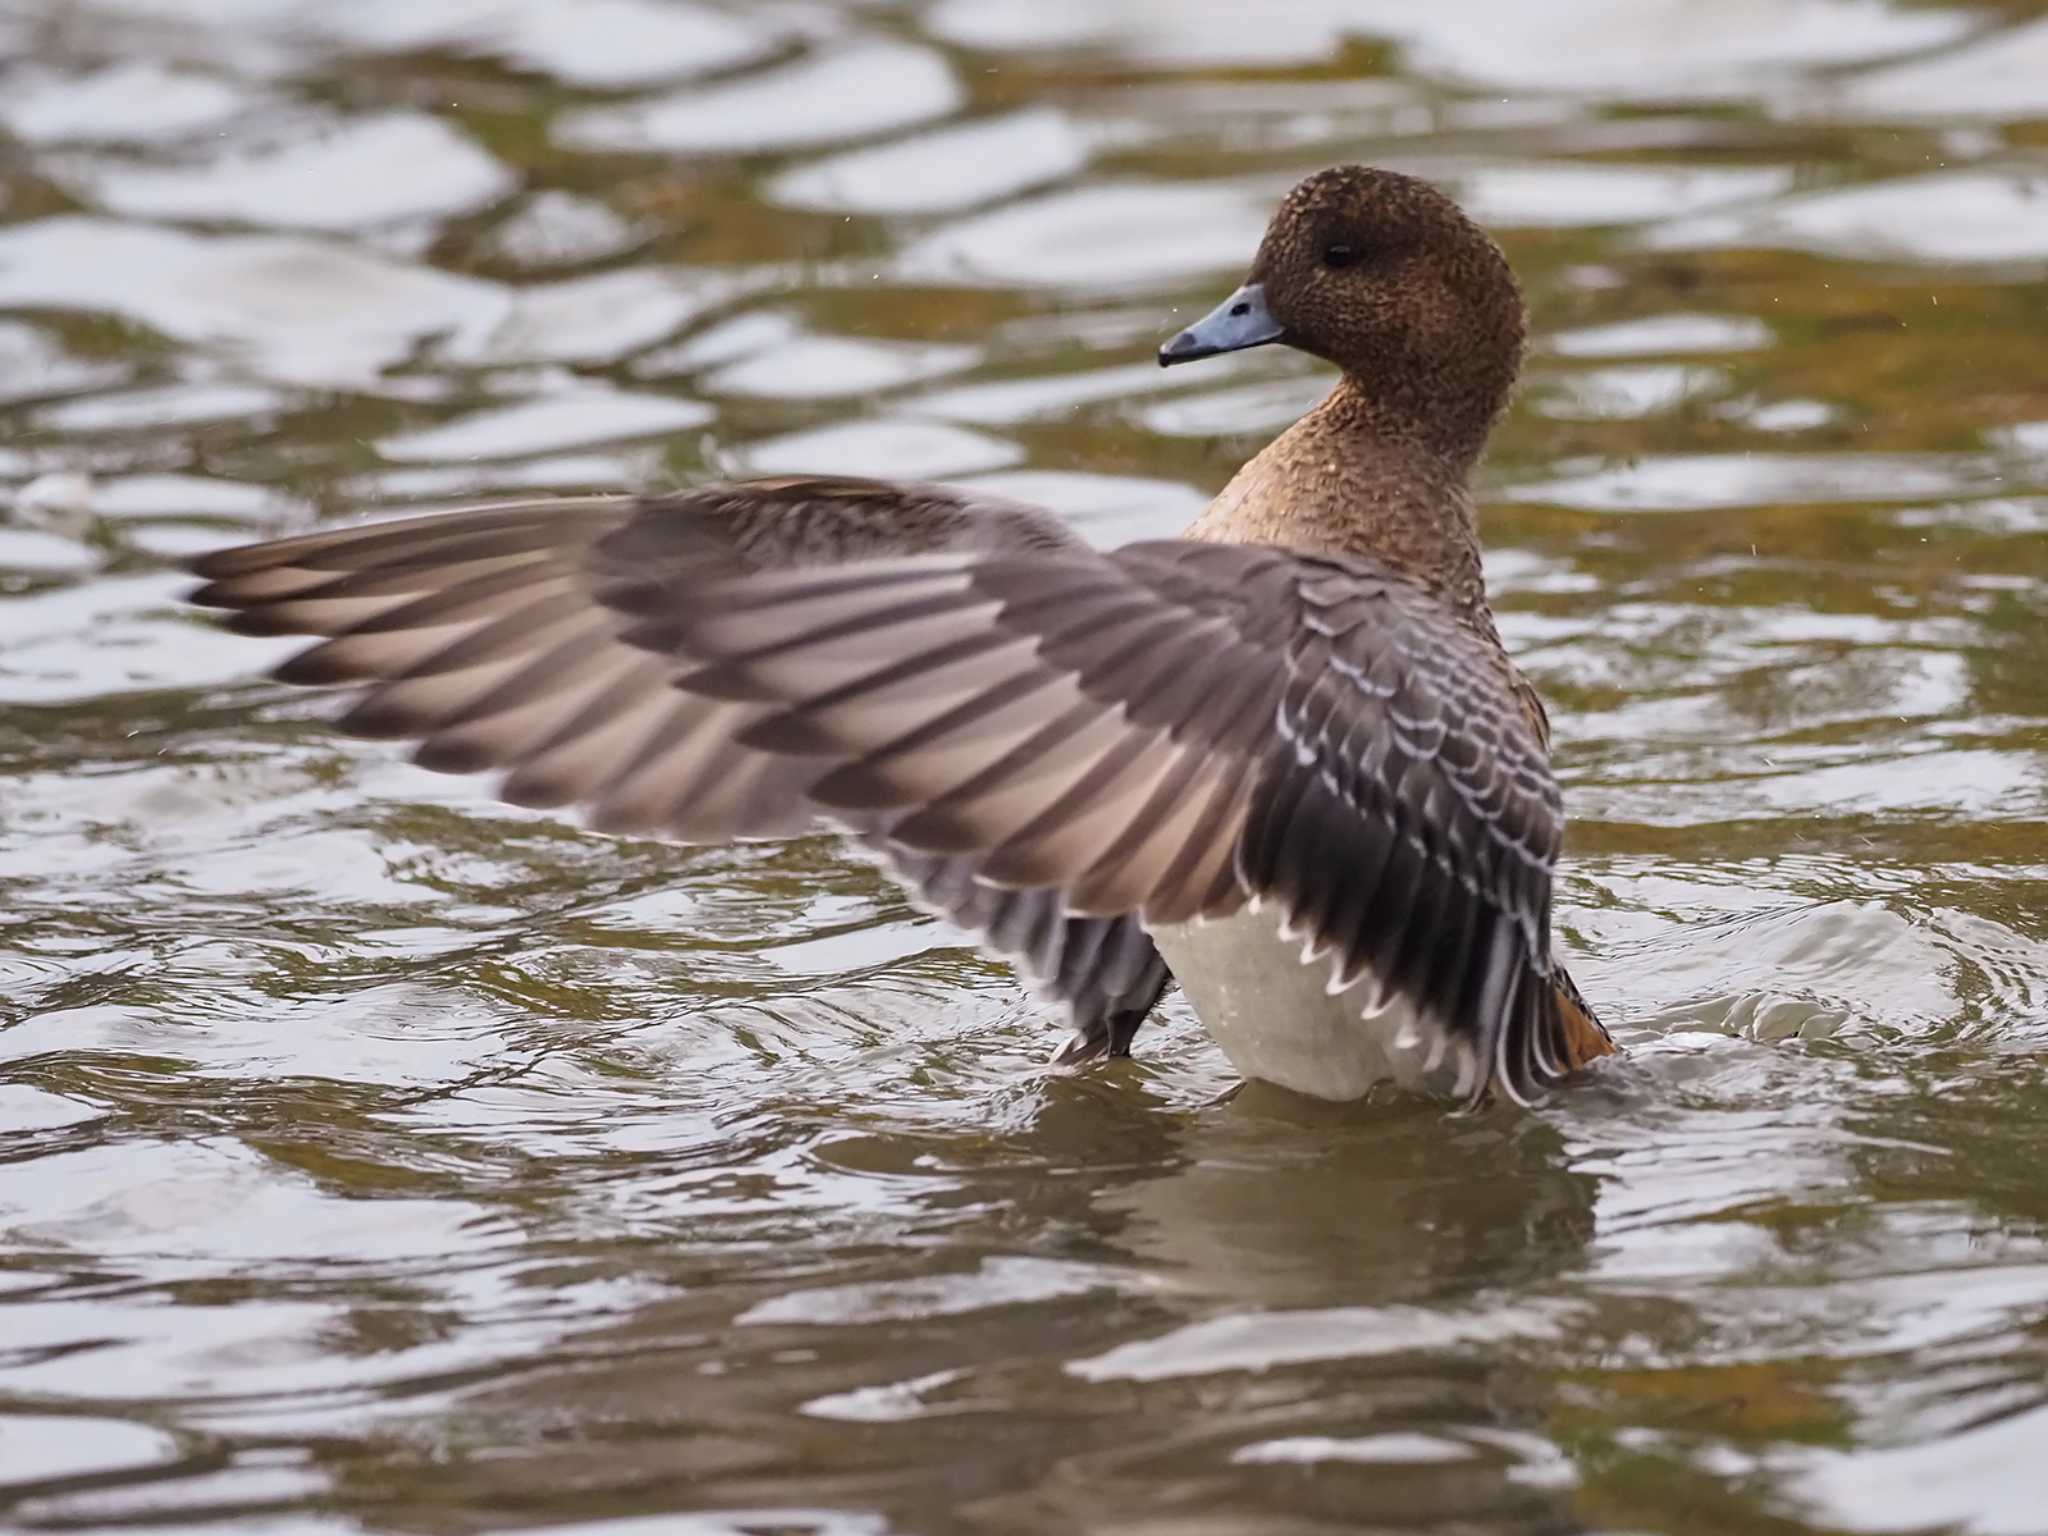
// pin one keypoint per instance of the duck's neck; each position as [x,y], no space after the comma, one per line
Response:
[1353,478]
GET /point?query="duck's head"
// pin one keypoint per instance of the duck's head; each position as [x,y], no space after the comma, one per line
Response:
[1384,276]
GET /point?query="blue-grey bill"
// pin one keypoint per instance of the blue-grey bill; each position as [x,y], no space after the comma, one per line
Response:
[1240,321]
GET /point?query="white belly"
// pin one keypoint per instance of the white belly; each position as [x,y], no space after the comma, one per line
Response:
[1275,1019]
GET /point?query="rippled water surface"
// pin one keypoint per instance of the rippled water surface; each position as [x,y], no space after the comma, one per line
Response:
[373,1157]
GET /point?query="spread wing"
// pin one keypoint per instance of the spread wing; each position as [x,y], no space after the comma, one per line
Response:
[1050,743]
[1047,742]
[1176,729]
[487,636]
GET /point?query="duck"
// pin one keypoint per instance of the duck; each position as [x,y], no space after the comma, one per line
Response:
[1283,760]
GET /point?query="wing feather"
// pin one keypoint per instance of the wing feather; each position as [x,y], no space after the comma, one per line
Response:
[1052,745]
[529,638]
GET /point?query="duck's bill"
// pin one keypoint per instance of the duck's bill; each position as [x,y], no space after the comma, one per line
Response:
[1240,321]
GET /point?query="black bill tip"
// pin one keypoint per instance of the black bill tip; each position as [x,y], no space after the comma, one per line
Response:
[1240,321]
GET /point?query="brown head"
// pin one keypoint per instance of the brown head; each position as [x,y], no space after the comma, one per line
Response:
[1384,276]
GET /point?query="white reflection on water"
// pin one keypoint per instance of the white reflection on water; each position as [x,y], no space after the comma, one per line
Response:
[350,175]
[297,309]
[848,93]
[2000,75]
[943,170]
[1692,481]
[1988,215]
[564,419]
[1640,51]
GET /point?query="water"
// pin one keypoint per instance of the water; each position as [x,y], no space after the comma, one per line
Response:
[374,1157]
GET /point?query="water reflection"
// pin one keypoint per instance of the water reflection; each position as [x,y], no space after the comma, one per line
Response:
[376,1157]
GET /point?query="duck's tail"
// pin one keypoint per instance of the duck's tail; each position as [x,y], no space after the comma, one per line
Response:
[1584,1037]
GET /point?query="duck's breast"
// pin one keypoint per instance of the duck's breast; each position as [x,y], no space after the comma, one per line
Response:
[1277,1021]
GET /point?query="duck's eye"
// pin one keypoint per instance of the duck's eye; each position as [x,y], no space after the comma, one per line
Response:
[1341,255]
